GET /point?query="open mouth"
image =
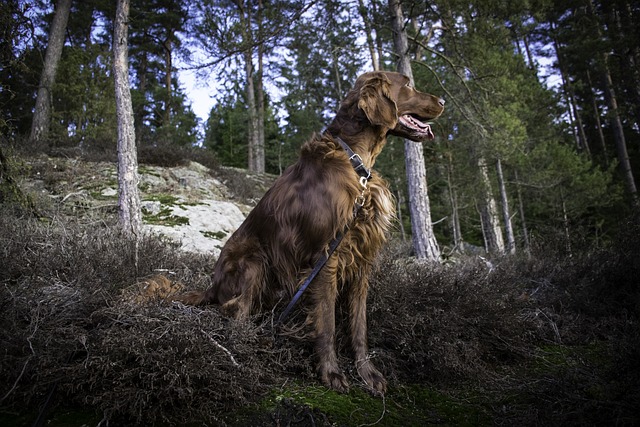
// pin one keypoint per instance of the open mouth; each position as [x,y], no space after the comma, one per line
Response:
[417,126]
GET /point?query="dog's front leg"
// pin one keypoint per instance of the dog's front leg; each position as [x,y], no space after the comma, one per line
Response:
[322,319]
[358,325]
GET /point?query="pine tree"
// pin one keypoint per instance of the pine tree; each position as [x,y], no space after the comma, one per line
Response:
[42,114]
[128,196]
[425,244]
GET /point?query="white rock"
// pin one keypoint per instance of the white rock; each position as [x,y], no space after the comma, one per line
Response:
[211,223]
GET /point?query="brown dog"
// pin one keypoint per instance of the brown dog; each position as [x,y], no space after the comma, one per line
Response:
[276,247]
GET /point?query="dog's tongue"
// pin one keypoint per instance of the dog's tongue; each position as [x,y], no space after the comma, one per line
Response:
[418,125]
[429,132]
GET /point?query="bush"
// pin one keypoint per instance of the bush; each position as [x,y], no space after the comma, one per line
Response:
[532,340]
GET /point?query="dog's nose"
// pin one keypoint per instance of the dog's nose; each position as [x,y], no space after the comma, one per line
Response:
[441,102]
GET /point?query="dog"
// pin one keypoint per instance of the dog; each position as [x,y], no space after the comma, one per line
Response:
[321,196]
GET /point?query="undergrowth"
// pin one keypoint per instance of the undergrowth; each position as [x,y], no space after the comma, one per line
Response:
[541,340]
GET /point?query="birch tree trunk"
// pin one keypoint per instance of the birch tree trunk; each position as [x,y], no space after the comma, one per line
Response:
[128,196]
[493,241]
[42,113]
[425,244]
[506,215]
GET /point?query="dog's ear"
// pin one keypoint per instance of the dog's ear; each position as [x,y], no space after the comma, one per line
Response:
[376,102]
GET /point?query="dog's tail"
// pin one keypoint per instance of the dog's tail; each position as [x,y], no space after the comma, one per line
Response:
[193,298]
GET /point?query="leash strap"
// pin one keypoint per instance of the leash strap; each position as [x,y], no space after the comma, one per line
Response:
[356,160]
[316,269]
[365,175]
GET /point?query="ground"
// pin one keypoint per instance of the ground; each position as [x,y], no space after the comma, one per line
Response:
[87,336]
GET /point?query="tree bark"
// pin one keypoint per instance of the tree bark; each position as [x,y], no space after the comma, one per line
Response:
[168,77]
[616,121]
[260,146]
[493,240]
[565,223]
[252,107]
[128,196]
[140,112]
[453,200]
[596,114]
[523,222]
[574,113]
[42,113]
[375,63]
[425,244]
[506,215]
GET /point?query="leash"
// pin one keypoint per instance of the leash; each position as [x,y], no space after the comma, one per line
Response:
[365,176]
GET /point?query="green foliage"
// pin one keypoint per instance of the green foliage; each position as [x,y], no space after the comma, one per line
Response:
[226,132]
[484,57]
[84,100]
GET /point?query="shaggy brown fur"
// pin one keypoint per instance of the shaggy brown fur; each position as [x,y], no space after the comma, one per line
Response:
[276,247]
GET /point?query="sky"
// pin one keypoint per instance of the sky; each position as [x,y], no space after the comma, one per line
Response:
[201,94]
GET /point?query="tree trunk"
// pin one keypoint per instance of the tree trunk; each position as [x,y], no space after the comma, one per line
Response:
[425,244]
[128,195]
[252,107]
[399,205]
[621,143]
[42,113]
[168,76]
[493,241]
[375,63]
[260,146]
[506,216]
[565,223]
[523,222]
[574,113]
[140,112]
[253,113]
[616,121]
[623,15]
[596,114]
[453,200]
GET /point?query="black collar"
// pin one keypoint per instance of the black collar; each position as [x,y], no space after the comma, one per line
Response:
[355,159]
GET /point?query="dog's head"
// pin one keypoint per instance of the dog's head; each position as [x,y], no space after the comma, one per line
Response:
[388,100]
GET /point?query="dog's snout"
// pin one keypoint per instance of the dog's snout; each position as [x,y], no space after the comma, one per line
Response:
[441,102]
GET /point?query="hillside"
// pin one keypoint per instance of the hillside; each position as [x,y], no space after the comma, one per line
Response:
[190,204]
[540,340]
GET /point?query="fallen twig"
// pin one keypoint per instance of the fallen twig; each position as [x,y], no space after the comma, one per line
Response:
[217,344]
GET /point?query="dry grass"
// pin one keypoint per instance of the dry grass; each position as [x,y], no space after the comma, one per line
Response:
[541,340]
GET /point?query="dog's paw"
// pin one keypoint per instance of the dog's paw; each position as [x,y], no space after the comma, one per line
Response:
[372,377]
[335,380]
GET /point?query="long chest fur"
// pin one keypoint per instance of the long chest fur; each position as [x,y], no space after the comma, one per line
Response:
[373,221]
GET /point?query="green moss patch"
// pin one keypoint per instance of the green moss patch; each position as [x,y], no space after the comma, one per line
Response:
[218,235]
[406,405]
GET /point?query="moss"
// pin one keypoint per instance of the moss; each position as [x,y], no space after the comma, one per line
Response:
[61,417]
[555,358]
[142,169]
[98,195]
[165,199]
[218,235]
[164,217]
[410,406]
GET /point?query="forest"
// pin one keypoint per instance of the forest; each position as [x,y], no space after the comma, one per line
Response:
[530,190]
[539,139]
